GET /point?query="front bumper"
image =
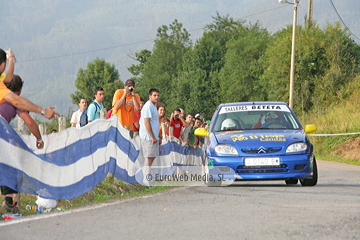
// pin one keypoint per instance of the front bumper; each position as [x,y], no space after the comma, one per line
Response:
[233,167]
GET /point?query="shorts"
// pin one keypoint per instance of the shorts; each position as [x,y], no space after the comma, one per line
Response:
[149,149]
[6,190]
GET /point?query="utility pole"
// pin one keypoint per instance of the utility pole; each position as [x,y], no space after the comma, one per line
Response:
[310,11]
[292,68]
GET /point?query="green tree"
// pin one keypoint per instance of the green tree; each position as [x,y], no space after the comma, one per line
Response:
[165,62]
[240,75]
[142,57]
[195,90]
[199,83]
[98,73]
[326,60]
[342,56]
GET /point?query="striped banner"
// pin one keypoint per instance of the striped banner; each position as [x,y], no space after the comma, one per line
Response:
[74,161]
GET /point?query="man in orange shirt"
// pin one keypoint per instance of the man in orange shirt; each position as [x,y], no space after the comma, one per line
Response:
[125,101]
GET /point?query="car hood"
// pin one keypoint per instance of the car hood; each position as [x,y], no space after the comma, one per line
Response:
[253,139]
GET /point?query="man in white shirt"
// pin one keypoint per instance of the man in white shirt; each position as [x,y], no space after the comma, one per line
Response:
[184,136]
[75,119]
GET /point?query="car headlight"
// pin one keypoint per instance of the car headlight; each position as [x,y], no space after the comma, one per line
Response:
[296,147]
[226,149]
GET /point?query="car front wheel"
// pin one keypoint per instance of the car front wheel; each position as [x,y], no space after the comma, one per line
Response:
[313,181]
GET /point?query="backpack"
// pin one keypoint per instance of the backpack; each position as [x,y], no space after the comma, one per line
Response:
[84,117]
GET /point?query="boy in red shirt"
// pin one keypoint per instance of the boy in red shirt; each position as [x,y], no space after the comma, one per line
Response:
[177,122]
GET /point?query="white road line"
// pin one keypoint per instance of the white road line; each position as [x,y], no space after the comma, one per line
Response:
[80,209]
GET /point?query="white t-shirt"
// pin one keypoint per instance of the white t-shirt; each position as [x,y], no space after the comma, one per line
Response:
[149,111]
[75,118]
[185,131]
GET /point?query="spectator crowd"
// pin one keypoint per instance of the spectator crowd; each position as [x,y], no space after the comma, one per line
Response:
[149,120]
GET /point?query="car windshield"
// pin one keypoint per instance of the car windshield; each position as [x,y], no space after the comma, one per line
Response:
[254,119]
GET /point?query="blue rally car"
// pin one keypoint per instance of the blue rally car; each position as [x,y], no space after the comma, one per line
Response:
[258,141]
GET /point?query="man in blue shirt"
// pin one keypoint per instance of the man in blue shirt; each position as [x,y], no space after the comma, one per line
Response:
[93,111]
[149,131]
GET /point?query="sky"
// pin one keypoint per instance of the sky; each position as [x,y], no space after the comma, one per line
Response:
[52,39]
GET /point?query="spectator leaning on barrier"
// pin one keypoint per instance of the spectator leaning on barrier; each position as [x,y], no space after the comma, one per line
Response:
[177,122]
[206,124]
[94,109]
[186,130]
[193,139]
[125,102]
[149,131]
[14,99]
[75,119]
[162,111]
[165,124]
[8,112]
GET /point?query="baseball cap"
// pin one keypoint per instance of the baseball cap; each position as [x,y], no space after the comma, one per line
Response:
[130,82]
[198,115]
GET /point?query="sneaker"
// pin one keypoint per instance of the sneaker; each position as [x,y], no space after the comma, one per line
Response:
[10,208]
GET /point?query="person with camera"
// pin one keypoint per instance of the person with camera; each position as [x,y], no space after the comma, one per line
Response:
[177,122]
[125,102]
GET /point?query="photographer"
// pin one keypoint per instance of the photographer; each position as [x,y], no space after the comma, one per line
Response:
[177,122]
[125,101]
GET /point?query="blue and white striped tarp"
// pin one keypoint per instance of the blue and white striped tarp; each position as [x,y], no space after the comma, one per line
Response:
[74,161]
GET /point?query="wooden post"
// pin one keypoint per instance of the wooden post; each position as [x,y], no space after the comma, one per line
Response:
[42,129]
[22,127]
[310,12]
[62,123]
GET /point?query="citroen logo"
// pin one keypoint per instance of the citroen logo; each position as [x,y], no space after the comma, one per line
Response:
[262,150]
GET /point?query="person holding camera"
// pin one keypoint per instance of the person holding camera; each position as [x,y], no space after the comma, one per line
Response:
[125,102]
[177,122]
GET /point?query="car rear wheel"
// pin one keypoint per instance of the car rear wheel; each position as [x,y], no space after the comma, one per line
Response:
[291,181]
[313,180]
[210,182]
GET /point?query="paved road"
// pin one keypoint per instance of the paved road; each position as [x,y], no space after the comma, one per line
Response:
[245,210]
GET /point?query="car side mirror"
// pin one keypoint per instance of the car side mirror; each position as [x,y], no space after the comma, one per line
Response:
[310,128]
[201,132]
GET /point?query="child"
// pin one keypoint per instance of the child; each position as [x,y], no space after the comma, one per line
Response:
[165,124]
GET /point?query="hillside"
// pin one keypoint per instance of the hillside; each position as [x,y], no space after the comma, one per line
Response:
[53,39]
